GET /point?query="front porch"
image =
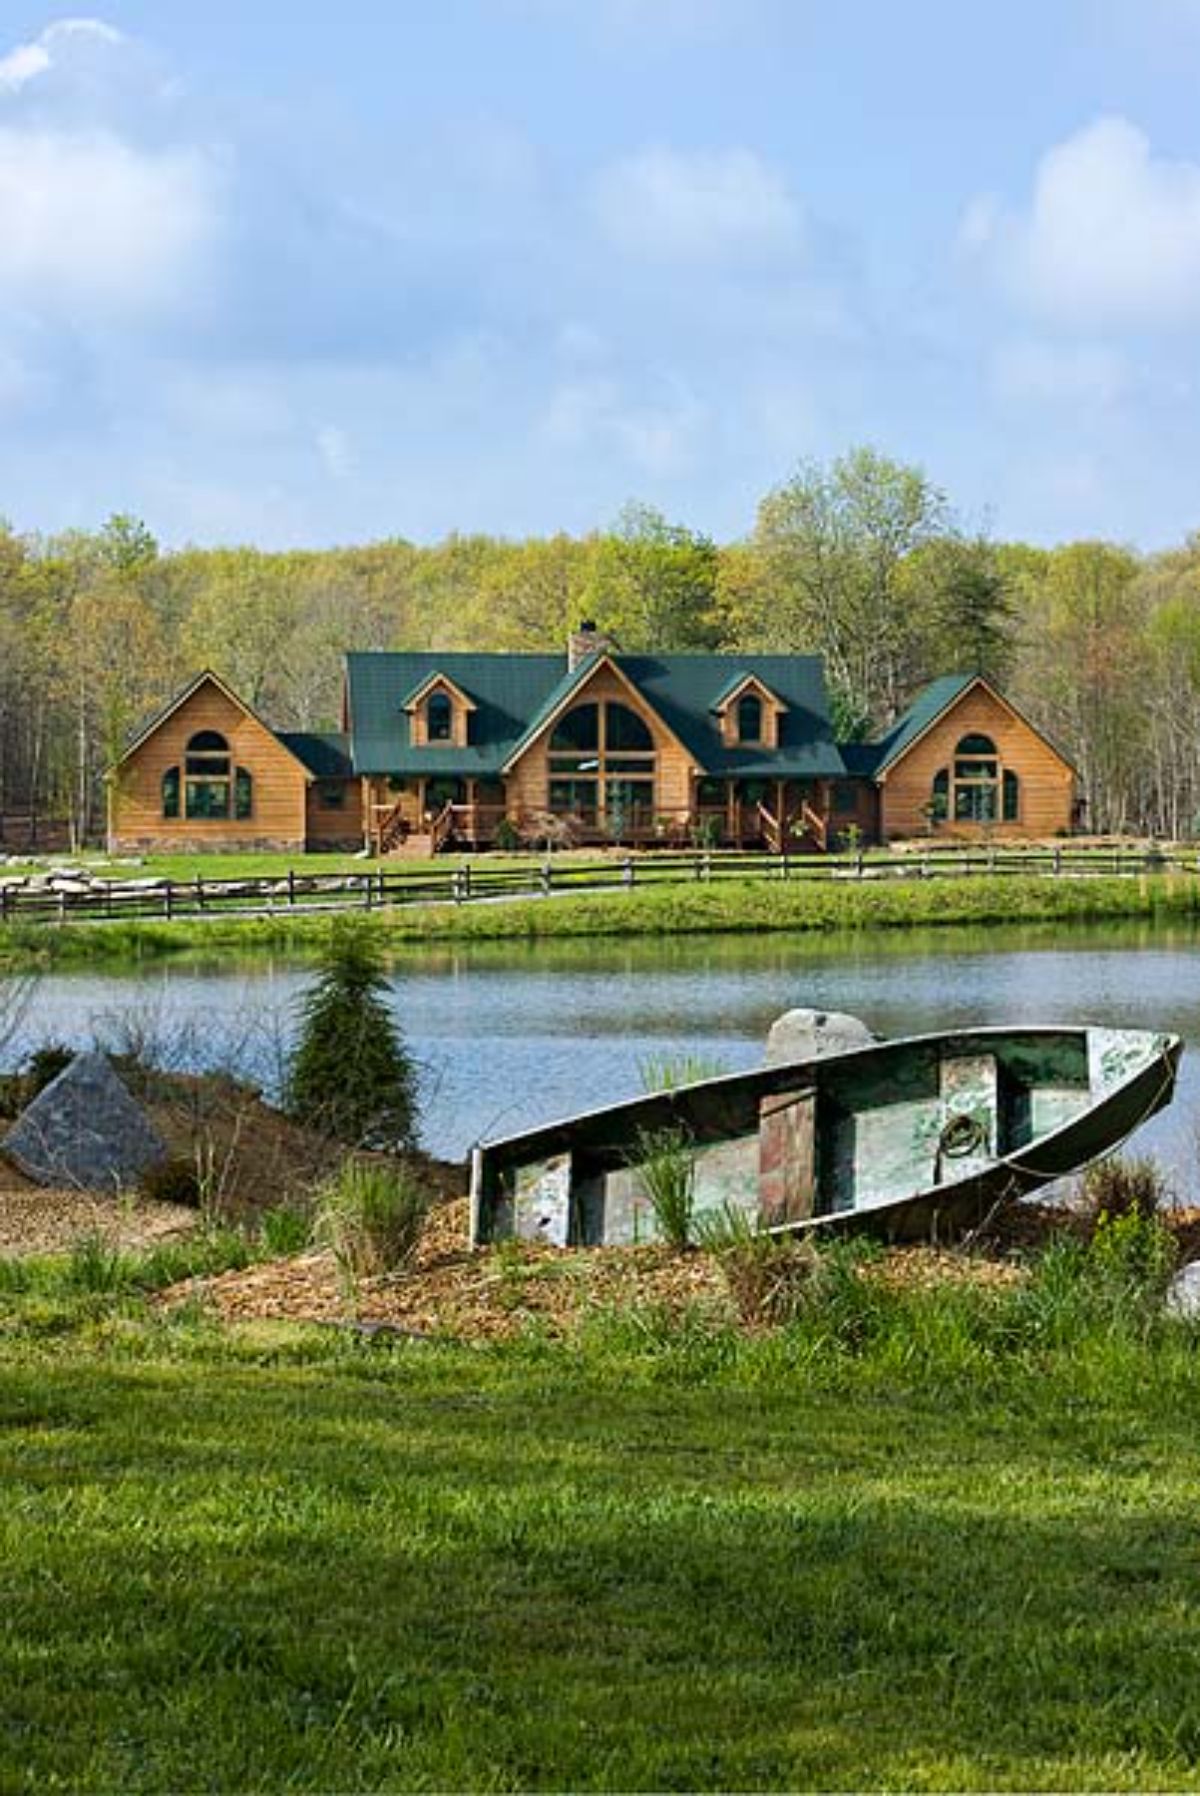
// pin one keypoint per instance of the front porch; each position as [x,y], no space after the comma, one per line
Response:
[436,815]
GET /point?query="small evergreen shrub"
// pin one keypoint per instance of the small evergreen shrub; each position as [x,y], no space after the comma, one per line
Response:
[174,1181]
[508,836]
[350,1074]
[371,1217]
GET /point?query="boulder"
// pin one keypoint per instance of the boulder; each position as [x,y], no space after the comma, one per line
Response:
[85,1131]
[811,1034]
[1183,1293]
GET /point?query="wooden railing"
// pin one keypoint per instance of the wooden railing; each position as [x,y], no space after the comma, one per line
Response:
[772,829]
[71,899]
[815,825]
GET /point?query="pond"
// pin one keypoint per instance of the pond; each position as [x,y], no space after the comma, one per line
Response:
[509,1035]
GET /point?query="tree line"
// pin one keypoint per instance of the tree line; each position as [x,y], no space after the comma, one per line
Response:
[861,560]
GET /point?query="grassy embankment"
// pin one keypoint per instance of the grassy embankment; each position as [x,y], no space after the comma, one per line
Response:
[684,909]
[928,1539]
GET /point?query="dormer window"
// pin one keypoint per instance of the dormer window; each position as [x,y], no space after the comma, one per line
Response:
[749,718]
[439,717]
[749,713]
[439,713]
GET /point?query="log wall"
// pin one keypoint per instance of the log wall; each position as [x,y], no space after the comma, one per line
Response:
[1047,781]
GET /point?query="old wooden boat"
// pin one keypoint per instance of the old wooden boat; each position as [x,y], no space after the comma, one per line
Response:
[909,1139]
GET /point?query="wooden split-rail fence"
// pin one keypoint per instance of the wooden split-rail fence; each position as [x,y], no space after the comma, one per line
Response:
[67,899]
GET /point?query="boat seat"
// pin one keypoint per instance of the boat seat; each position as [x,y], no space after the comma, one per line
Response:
[787,1156]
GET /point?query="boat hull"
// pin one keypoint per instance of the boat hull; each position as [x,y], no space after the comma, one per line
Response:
[909,1139]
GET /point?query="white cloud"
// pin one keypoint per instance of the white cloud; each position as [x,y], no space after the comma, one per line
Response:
[658,440]
[27,61]
[700,206]
[1111,235]
[333,446]
[95,228]
[1069,374]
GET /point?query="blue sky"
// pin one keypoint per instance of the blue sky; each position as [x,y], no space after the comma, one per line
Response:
[299,274]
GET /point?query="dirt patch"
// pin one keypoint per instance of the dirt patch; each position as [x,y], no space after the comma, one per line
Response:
[500,1292]
[37,1220]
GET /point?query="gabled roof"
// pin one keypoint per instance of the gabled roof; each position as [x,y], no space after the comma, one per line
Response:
[734,686]
[516,694]
[206,677]
[429,683]
[928,707]
[924,711]
[576,681]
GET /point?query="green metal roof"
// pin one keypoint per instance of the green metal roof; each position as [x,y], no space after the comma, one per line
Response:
[516,693]
[324,752]
[925,709]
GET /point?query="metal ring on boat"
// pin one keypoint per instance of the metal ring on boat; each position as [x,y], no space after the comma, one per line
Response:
[963,1134]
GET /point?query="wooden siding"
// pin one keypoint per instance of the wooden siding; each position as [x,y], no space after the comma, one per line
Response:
[330,826]
[278,807]
[1047,782]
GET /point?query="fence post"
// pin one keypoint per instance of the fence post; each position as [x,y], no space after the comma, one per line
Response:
[547,877]
[456,886]
[858,862]
[627,874]
[708,866]
[787,866]
[698,866]
[466,879]
[168,900]
[1057,862]
[291,885]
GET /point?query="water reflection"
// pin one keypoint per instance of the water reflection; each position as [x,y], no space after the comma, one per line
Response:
[512,1034]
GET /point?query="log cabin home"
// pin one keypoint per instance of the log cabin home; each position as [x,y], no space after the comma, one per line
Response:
[441,750]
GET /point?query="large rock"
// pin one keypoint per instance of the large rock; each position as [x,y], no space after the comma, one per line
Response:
[1183,1293]
[85,1131]
[811,1034]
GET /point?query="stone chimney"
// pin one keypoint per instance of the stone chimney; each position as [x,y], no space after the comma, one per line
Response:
[588,640]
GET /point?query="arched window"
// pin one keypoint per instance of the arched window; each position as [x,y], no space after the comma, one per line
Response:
[1012,796]
[976,780]
[939,797]
[602,766]
[170,792]
[208,772]
[577,730]
[439,717]
[749,718]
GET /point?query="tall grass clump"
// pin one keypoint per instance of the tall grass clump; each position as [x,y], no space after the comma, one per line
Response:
[1117,1187]
[351,1075]
[769,1277]
[371,1217]
[667,1072]
[665,1160]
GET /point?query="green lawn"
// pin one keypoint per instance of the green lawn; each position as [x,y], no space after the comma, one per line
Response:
[653,1561]
[689,908]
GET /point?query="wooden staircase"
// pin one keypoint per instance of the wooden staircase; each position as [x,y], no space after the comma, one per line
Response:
[411,848]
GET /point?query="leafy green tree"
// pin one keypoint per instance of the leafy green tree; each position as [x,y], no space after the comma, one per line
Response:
[833,542]
[654,584]
[350,1074]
